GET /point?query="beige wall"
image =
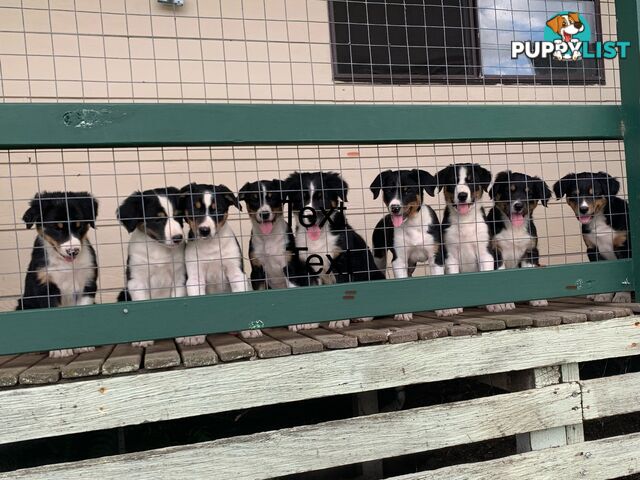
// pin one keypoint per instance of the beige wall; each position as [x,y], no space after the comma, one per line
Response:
[205,51]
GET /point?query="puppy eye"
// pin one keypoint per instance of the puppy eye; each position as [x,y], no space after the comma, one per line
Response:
[60,226]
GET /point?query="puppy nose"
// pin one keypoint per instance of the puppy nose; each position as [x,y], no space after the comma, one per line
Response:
[462,196]
[73,252]
[584,209]
[177,238]
[204,231]
[517,206]
[265,215]
[395,209]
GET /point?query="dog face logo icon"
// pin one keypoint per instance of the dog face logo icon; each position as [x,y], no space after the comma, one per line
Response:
[568,28]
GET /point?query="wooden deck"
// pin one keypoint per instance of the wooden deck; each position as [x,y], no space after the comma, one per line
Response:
[110,360]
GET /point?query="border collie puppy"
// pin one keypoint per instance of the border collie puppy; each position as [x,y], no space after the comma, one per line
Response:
[514,237]
[329,247]
[213,255]
[63,270]
[155,260]
[465,232]
[411,230]
[604,218]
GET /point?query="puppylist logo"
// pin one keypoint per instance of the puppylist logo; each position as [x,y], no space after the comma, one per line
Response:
[566,38]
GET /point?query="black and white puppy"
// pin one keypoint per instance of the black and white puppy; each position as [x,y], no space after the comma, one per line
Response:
[514,237]
[411,230]
[332,251]
[604,218]
[63,270]
[155,260]
[465,232]
[213,255]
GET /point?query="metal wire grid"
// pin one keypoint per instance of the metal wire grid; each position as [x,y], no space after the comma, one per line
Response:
[292,51]
[113,174]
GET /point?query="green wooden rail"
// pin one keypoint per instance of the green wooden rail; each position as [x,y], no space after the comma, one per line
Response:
[31,126]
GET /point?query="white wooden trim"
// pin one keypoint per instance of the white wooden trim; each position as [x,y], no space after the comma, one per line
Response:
[314,447]
[597,460]
[79,406]
[604,397]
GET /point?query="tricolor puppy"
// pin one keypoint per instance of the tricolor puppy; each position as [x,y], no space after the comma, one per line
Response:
[566,26]
[155,260]
[604,218]
[213,255]
[63,270]
[411,230]
[465,232]
[514,237]
[329,247]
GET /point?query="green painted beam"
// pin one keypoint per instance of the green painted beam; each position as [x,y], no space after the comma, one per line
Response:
[35,330]
[628,27]
[140,125]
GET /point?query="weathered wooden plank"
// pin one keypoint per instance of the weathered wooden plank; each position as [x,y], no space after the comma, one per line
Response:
[87,364]
[364,332]
[298,343]
[399,331]
[360,439]
[519,319]
[197,355]
[604,459]
[123,359]
[549,316]
[570,372]
[331,340]
[482,324]
[5,358]
[267,347]
[162,354]
[604,397]
[593,313]
[45,371]
[11,370]
[453,329]
[634,306]
[82,406]
[230,348]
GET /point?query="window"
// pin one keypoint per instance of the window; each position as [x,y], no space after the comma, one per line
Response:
[452,41]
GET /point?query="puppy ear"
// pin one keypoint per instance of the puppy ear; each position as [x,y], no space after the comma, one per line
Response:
[378,182]
[242,193]
[34,212]
[541,190]
[609,184]
[88,206]
[130,213]
[184,194]
[483,177]
[228,195]
[555,23]
[562,186]
[444,177]
[336,184]
[501,180]
[426,181]
[292,190]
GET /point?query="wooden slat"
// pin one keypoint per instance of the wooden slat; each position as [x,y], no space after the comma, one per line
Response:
[45,371]
[549,316]
[267,347]
[482,324]
[597,460]
[604,397]
[513,319]
[230,348]
[634,306]
[81,406]
[87,364]
[5,358]
[123,359]
[162,354]
[331,340]
[453,329]
[314,447]
[593,312]
[422,331]
[298,343]
[364,332]
[571,373]
[198,355]
[11,370]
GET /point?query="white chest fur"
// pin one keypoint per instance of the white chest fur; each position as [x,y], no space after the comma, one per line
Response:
[70,278]
[467,241]
[270,252]
[325,244]
[602,236]
[513,243]
[412,240]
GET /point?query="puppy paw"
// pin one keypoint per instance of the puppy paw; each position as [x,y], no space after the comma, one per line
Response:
[194,340]
[622,297]
[145,344]
[362,319]
[67,352]
[500,307]
[339,324]
[509,306]
[539,303]
[83,349]
[251,333]
[449,312]
[403,316]
[304,326]
[603,297]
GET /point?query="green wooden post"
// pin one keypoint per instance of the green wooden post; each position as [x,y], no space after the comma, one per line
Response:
[628,19]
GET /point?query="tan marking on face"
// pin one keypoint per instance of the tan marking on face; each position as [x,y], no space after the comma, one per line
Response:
[448,197]
[147,231]
[503,207]
[412,207]
[59,225]
[161,214]
[197,205]
[619,239]
[50,240]
[531,206]
[477,194]
[598,205]
[574,205]
[513,188]
[224,219]
[590,190]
